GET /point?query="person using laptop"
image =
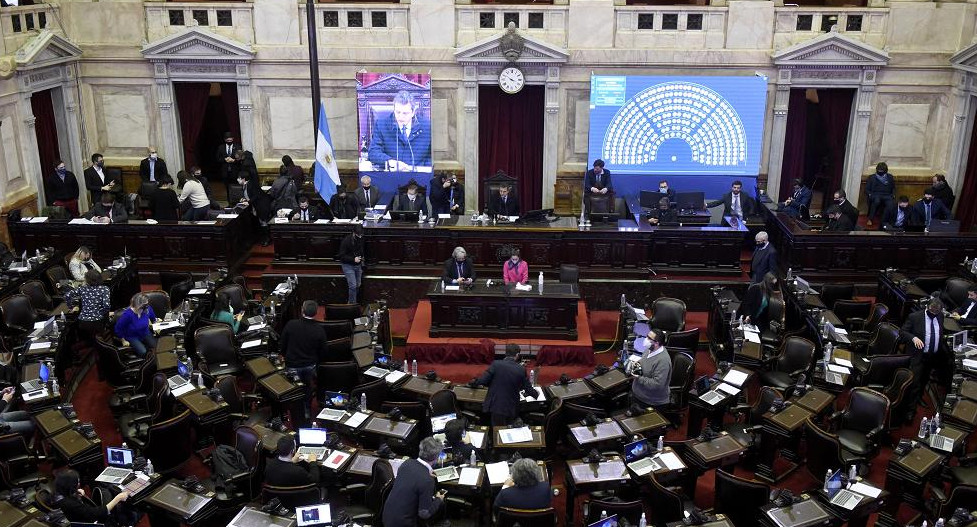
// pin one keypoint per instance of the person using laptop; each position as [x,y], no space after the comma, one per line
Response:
[505,379]
[81,262]
[288,468]
[929,208]
[457,440]
[71,499]
[838,221]
[966,314]
[133,325]
[413,498]
[900,216]
[524,489]
[19,422]
[650,388]
[223,312]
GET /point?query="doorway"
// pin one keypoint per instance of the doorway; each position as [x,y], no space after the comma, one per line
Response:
[816,140]
[510,138]
[46,131]
[207,110]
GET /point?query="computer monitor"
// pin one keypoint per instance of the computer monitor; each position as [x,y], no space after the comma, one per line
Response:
[438,422]
[649,199]
[118,457]
[604,217]
[636,450]
[690,200]
[381,358]
[404,215]
[313,515]
[182,369]
[313,436]
[959,339]
[335,399]
[945,226]
[610,521]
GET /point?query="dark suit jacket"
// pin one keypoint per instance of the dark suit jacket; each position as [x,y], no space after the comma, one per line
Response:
[441,197]
[117,212]
[314,213]
[764,261]
[62,190]
[403,203]
[345,209]
[842,224]
[388,143]
[511,207]
[165,205]
[800,198]
[944,194]
[915,326]
[412,496]
[286,474]
[144,169]
[665,217]
[849,210]
[259,199]
[375,197]
[94,184]
[505,379]
[590,180]
[538,496]
[891,214]
[753,307]
[938,211]
[451,270]
[746,203]
[227,170]
[971,319]
[82,510]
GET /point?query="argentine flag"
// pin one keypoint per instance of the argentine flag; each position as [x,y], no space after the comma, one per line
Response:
[326,170]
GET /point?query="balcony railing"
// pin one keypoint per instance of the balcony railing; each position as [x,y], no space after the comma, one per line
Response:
[18,24]
[670,27]
[796,24]
[230,19]
[547,23]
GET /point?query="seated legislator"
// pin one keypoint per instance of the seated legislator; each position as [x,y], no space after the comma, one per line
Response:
[846,207]
[92,300]
[504,203]
[505,379]
[223,312]
[756,303]
[163,202]
[193,190]
[367,194]
[967,313]
[77,508]
[288,468]
[798,203]
[81,262]
[306,213]
[401,141]
[133,325]
[342,205]
[837,221]
[664,214]
[900,216]
[107,210]
[458,269]
[413,500]
[735,202]
[929,208]
[19,421]
[515,270]
[650,386]
[411,200]
[524,489]
[456,438]
[62,188]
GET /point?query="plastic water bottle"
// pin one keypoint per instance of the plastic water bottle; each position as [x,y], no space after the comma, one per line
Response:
[603,515]
[935,422]
[532,377]
[406,367]
[413,367]
[442,286]
[473,459]
[643,522]
[661,443]
[923,428]
[363,402]
[541,280]
[852,473]
[54,385]
[149,467]
[790,274]
[200,380]
[828,349]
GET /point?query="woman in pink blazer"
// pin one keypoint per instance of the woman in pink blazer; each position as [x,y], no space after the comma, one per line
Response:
[515,270]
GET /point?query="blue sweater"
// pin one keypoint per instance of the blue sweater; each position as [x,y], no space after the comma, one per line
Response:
[131,326]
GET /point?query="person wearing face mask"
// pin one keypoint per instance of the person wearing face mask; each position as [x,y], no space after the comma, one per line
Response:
[923,334]
[764,258]
[306,213]
[133,325]
[504,203]
[735,202]
[411,199]
[108,211]
[62,189]
[663,188]
[650,387]
[194,191]
[367,194]
[756,303]
[664,214]
[798,203]
[900,216]
[837,221]
[515,270]
[447,195]
[942,191]
[163,202]
[341,205]
[98,181]
[81,262]
[597,185]
[840,199]
[226,160]
[351,258]
[881,190]
[284,190]
[930,208]
[153,168]
[458,269]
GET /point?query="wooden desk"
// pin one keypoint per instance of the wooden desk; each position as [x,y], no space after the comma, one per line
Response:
[722,451]
[423,389]
[206,410]
[607,431]
[583,477]
[480,311]
[269,438]
[538,442]
[52,422]
[396,433]
[778,429]
[814,400]
[648,424]
[968,389]
[362,463]
[613,382]
[574,390]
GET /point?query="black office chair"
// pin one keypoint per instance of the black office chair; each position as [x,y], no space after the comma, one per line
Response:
[18,315]
[824,452]
[365,501]
[931,284]
[337,329]
[244,486]
[343,311]
[179,292]
[881,370]
[241,408]
[376,393]
[444,402]
[847,310]
[667,504]
[898,394]
[238,295]
[168,444]
[129,398]
[740,499]
[878,313]
[943,506]
[794,359]
[862,423]
[521,517]
[679,384]
[752,416]
[19,463]
[338,350]
[954,292]
[215,346]
[629,510]
[338,376]
[831,293]
[159,300]
[116,366]
[554,424]
[569,273]
[686,340]
[291,497]
[42,302]
[669,314]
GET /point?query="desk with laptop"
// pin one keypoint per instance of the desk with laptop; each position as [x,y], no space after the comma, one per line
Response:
[852,501]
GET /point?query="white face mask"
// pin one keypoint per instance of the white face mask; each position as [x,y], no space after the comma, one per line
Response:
[153,156]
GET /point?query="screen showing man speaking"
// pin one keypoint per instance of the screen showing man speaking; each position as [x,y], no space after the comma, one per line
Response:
[677,125]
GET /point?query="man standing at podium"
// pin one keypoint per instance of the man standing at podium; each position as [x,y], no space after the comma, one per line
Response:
[458,269]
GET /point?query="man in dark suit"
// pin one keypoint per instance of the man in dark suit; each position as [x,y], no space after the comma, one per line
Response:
[923,334]
[900,216]
[447,195]
[225,156]
[735,202]
[849,210]
[504,203]
[97,180]
[62,188]
[367,194]
[505,379]
[342,205]
[107,211]
[411,200]
[306,212]
[152,168]
[401,141]
[837,221]
[597,183]
[458,269]
[663,188]
[412,497]
[929,209]
[966,314]
[797,205]
[288,469]
[664,214]
[764,258]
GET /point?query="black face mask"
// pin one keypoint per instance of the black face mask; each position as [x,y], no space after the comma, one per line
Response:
[928,200]
[880,172]
[839,201]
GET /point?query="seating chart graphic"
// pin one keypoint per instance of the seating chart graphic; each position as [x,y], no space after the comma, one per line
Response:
[677,126]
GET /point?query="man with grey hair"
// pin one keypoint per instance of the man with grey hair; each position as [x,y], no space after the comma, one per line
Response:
[764,258]
[525,489]
[650,388]
[367,196]
[413,496]
[458,269]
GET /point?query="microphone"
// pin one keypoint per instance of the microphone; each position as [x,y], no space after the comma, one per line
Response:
[413,168]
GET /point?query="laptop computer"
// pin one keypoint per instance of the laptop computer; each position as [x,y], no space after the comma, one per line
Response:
[335,399]
[637,458]
[804,285]
[43,330]
[404,215]
[610,521]
[712,397]
[32,385]
[311,441]
[836,335]
[313,515]
[945,226]
[846,498]
[118,457]
[179,385]
[438,422]
[114,475]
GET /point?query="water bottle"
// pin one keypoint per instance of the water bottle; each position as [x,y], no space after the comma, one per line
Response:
[363,402]
[603,515]
[939,522]
[406,366]
[54,385]
[790,274]
[272,310]
[852,473]
[643,522]
[828,349]
[541,280]
[532,377]
[925,523]
[200,380]
[827,480]
[661,443]
[624,301]
[442,286]
[923,428]
[935,423]
[413,367]
[473,460]
[149,467]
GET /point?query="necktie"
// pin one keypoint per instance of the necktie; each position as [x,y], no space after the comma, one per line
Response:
[504,200]
[928,215]
[934,335]
[451,197]
[367,192]
[900,217]
[459,271]
[305,215]
[228,150]
[403,130]
[598,180]
[736,205]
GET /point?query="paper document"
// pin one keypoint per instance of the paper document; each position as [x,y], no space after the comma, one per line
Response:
[735,377]
[321,221]
[161,326]
[516,435]
[843,362]
[539,395]
[30,396]
[251,344]
[183,389]
[524,287]
[356,420]
[40,345]
[198,291]
[335,459]
[41,324]
[672,461]
[728,388]
[340,220]
[376,371]
[866,490]
[452,288]
[206,222]
[476,438]
[497,472]
[256,327]
[80,221]
[229,216]
[839,369]
[394,376]
[469,476]
[266,188]
[444,216]
[970,363]
[751,336]
[39,219]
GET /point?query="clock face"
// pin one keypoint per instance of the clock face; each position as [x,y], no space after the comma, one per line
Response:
[511,80]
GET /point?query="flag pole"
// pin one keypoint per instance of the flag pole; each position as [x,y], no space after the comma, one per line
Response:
[310,22]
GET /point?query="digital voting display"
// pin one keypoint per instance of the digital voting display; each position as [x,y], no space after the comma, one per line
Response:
[662,126]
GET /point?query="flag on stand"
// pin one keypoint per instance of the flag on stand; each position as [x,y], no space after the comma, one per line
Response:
[326,170]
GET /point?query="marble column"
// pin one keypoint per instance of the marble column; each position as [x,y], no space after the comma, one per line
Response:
[245,110]
[778,135]
[172,145]
[470,134]
[960,130]
[30,158]
[857,137]
[551,127]
[72,123]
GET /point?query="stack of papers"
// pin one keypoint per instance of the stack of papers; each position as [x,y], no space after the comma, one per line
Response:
[672,461]
[524,287]
[394,376]
[751,336]
[839,369]
[469,476]
[335,459]
[230,216]
[515,435]
[497,472]
[251,344]
[476,438]
[866,490]
[843,362]
[321,221]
